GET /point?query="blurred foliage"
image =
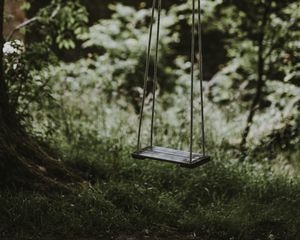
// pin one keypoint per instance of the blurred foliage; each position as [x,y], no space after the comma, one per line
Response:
[23,68]
[100,92]
[27,66]
[87,110]
[121,42]
[280,47]
[277,25]
[60,23]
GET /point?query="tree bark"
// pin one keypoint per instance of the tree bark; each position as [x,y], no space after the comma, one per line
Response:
[4,102]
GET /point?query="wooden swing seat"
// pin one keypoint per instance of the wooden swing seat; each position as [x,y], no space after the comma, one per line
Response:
[182,158]
[172,156]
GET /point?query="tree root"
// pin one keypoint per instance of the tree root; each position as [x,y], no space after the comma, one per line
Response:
[24,163]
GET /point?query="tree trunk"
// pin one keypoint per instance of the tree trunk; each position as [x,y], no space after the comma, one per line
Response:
[257,97]
[4,103]
[260,81]
[23,162]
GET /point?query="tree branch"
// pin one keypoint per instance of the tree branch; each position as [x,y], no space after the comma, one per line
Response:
[17,28]
[30,21]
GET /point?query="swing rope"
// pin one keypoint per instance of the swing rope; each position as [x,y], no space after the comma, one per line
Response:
[192,82]
[146,74]
[200,62]
[155,73]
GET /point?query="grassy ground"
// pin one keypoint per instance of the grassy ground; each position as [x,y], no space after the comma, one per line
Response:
[132,199]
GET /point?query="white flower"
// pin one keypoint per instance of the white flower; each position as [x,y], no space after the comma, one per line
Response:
[8,49]
[13,47]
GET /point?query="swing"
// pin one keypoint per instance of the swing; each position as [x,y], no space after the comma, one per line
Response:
[187,159]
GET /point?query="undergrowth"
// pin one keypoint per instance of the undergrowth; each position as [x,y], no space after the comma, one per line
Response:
[224,199]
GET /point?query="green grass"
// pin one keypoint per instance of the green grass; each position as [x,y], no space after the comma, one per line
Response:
[224,199]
